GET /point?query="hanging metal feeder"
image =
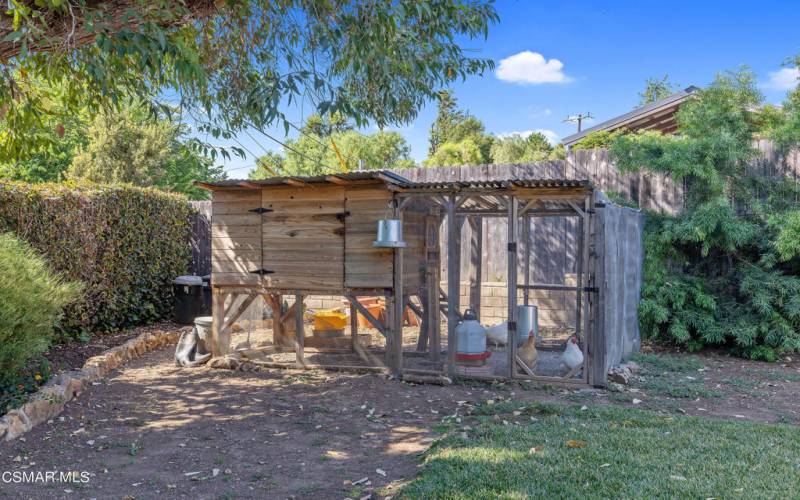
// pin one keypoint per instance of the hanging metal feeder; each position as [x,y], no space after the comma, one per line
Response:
[390,234]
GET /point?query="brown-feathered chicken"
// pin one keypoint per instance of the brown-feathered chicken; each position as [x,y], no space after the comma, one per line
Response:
[572,357]
[528,353]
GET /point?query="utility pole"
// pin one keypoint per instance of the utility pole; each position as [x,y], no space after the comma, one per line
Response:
[579,119]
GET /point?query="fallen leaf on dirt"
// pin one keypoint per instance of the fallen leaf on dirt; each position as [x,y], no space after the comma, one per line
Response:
[214,472]
[381,472]
[576,443]
[191,473]
[360,481]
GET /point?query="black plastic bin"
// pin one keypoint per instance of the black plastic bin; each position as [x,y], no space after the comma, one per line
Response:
[189,299]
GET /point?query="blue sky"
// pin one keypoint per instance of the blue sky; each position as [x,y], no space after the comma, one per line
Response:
[561,58]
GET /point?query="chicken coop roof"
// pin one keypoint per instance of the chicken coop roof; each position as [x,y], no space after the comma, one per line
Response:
[396,181]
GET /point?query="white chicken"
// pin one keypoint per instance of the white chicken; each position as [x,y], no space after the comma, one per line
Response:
[497,334]
[572,357]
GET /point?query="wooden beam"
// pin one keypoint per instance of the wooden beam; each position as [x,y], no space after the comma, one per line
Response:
[597,338]
[432,277]
[337,180]
[475,261]
[353,328]
[300,332]
[512,285]
[243,305]
[295,182]
[453,284]
[526,252]
[364,312]
[394,337]
[220,341]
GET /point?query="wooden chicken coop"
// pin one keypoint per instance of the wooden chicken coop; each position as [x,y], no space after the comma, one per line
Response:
[296,237]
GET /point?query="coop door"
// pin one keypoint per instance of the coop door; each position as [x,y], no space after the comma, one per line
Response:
[303,238]
[235,237]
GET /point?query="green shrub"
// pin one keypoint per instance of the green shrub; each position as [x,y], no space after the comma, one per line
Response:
[125,244]
[32,298]
[725,271]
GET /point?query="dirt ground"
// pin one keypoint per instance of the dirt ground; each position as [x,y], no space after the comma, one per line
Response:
[152,430]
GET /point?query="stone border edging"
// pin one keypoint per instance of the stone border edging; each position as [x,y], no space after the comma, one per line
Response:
[50,399]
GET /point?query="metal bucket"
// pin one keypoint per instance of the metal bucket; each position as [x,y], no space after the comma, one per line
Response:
[390,234]
[527,320]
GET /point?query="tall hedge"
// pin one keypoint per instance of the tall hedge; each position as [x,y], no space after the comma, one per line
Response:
[125,244]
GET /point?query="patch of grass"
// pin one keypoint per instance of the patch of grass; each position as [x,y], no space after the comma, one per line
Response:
[667,363]
[670,376]
[611,452]
[778,375]
[675,387]
[745,385]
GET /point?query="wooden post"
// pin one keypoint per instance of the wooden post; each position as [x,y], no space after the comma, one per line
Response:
[300,333]
[353,325]
[587,229]
[579,257]
[453,283]
[394,337]
[512,286]
[432,277]
[526,241]
[475,259]
[277,326]
[597,339]
[220,342]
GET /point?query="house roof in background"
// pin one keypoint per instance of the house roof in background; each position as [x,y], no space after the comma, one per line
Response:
[658,115]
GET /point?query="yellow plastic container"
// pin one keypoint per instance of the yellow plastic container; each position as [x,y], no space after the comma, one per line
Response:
[329,320]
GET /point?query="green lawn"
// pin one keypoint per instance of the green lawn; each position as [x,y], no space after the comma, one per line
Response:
[606,452]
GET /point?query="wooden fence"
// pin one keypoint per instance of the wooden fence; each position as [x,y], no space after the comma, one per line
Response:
[201,239]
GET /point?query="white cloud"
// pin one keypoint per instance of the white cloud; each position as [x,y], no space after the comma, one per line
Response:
[783,79]
[531,68]
[552,137]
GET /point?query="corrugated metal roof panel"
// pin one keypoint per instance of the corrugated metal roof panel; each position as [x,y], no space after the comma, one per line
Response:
[400,182]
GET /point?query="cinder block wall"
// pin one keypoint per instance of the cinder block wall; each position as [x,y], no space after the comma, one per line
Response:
[556,308]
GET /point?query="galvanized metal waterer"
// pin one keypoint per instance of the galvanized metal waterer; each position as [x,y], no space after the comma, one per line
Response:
[390,234]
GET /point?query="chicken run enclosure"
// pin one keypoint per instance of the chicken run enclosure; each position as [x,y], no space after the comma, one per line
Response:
[282,241]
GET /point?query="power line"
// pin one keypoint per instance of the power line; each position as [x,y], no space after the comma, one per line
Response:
[579,119]
[317,162]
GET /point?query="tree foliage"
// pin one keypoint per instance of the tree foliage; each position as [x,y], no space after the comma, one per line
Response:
[127,147]
[725,270]
[231,65]
[327,145]
[656,89]
[516,148]
[457,137]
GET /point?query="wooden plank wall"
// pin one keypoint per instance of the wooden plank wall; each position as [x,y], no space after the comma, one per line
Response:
[235,237]
[303,237]
[365,265]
